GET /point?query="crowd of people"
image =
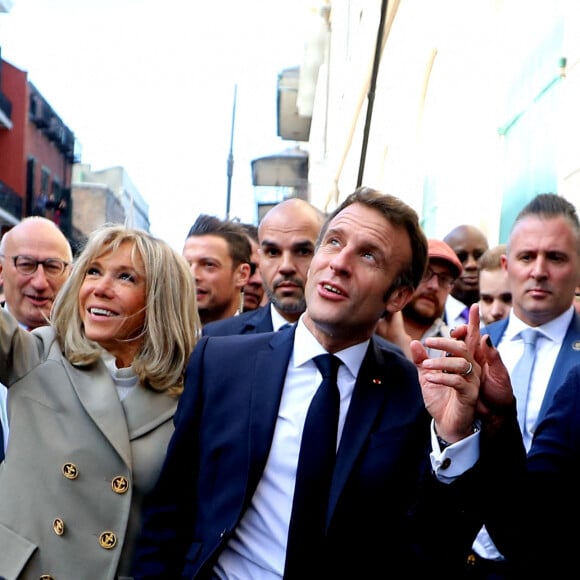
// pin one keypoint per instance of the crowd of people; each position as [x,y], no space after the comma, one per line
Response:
[397,403]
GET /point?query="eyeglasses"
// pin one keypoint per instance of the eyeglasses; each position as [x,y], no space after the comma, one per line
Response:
[27,266]
[444,280]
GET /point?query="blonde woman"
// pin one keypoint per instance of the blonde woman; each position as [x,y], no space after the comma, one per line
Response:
[91,402]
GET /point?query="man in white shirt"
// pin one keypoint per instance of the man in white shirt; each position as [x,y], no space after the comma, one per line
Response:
[224,505]
[469,243]
[543,267]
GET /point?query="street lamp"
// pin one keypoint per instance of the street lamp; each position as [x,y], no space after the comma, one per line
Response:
[279,177]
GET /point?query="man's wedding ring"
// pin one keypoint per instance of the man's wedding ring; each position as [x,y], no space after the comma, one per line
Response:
[467,371]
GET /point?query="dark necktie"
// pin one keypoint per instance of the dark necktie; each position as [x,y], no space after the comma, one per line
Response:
[1,443]
[315,466]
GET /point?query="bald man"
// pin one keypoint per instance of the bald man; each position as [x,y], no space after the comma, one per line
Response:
[469,243]
[287,236]
[35,261]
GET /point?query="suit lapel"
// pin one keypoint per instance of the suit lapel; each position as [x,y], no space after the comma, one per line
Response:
[97,394]
[568,356]
[263,319]
[268,382]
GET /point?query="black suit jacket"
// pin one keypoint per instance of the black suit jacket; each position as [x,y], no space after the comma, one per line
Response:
[224,429]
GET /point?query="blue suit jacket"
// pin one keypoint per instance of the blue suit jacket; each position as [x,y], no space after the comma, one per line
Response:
[224,430]
[568,356]
[259,320]
[539,540]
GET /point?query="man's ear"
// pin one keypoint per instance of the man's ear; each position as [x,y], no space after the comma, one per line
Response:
[398,299]
[504,262]
[242,274]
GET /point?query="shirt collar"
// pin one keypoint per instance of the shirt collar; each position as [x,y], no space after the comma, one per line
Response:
[277,319]
[306,347]
[553,330]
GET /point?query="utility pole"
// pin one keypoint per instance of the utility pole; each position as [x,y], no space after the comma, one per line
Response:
[230,168]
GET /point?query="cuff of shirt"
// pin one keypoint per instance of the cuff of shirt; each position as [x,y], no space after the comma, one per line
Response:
[448,464]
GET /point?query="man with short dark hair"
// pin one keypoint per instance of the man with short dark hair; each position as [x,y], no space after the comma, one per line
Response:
[542,262]
[219,255]
[232,497]
[254,293]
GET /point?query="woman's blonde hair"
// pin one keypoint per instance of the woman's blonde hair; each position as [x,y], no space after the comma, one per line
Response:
[171,327]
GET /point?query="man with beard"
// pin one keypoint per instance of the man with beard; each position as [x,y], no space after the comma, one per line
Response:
[422,316]
[287,236]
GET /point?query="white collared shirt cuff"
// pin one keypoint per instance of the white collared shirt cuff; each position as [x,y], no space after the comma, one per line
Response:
[455,459]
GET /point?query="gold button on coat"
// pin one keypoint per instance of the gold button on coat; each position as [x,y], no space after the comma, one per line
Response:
[108,540]
[58,527]
[120,484]
[70,471]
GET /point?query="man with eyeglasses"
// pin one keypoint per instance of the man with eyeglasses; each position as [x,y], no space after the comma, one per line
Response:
[422,317]
[35,261]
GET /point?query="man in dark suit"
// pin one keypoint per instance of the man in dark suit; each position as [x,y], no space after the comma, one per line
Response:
[543,268]
[224,505]
[287,236]
[538,541]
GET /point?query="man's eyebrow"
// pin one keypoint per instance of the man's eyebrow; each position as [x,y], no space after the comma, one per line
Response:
[303,244]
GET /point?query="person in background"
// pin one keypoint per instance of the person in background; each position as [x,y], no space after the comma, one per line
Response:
[254,289]
[227,504]
[92,397]
[543,267]
[577,300]
[469,243]
[219,254]
[35,261]
[287,235]
[422,315]
[495,297]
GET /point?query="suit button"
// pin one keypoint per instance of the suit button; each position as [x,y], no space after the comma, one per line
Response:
[70,471]
[45,577]
[120,484]
[58,527]
[108,540]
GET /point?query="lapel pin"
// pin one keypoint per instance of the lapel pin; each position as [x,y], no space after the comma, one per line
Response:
[377,381]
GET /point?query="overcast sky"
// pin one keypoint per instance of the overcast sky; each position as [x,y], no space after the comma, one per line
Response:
[149,85]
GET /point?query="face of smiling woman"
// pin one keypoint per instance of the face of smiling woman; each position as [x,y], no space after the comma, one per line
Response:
[112,303]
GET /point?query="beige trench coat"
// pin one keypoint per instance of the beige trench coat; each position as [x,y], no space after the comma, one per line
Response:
[78,462]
